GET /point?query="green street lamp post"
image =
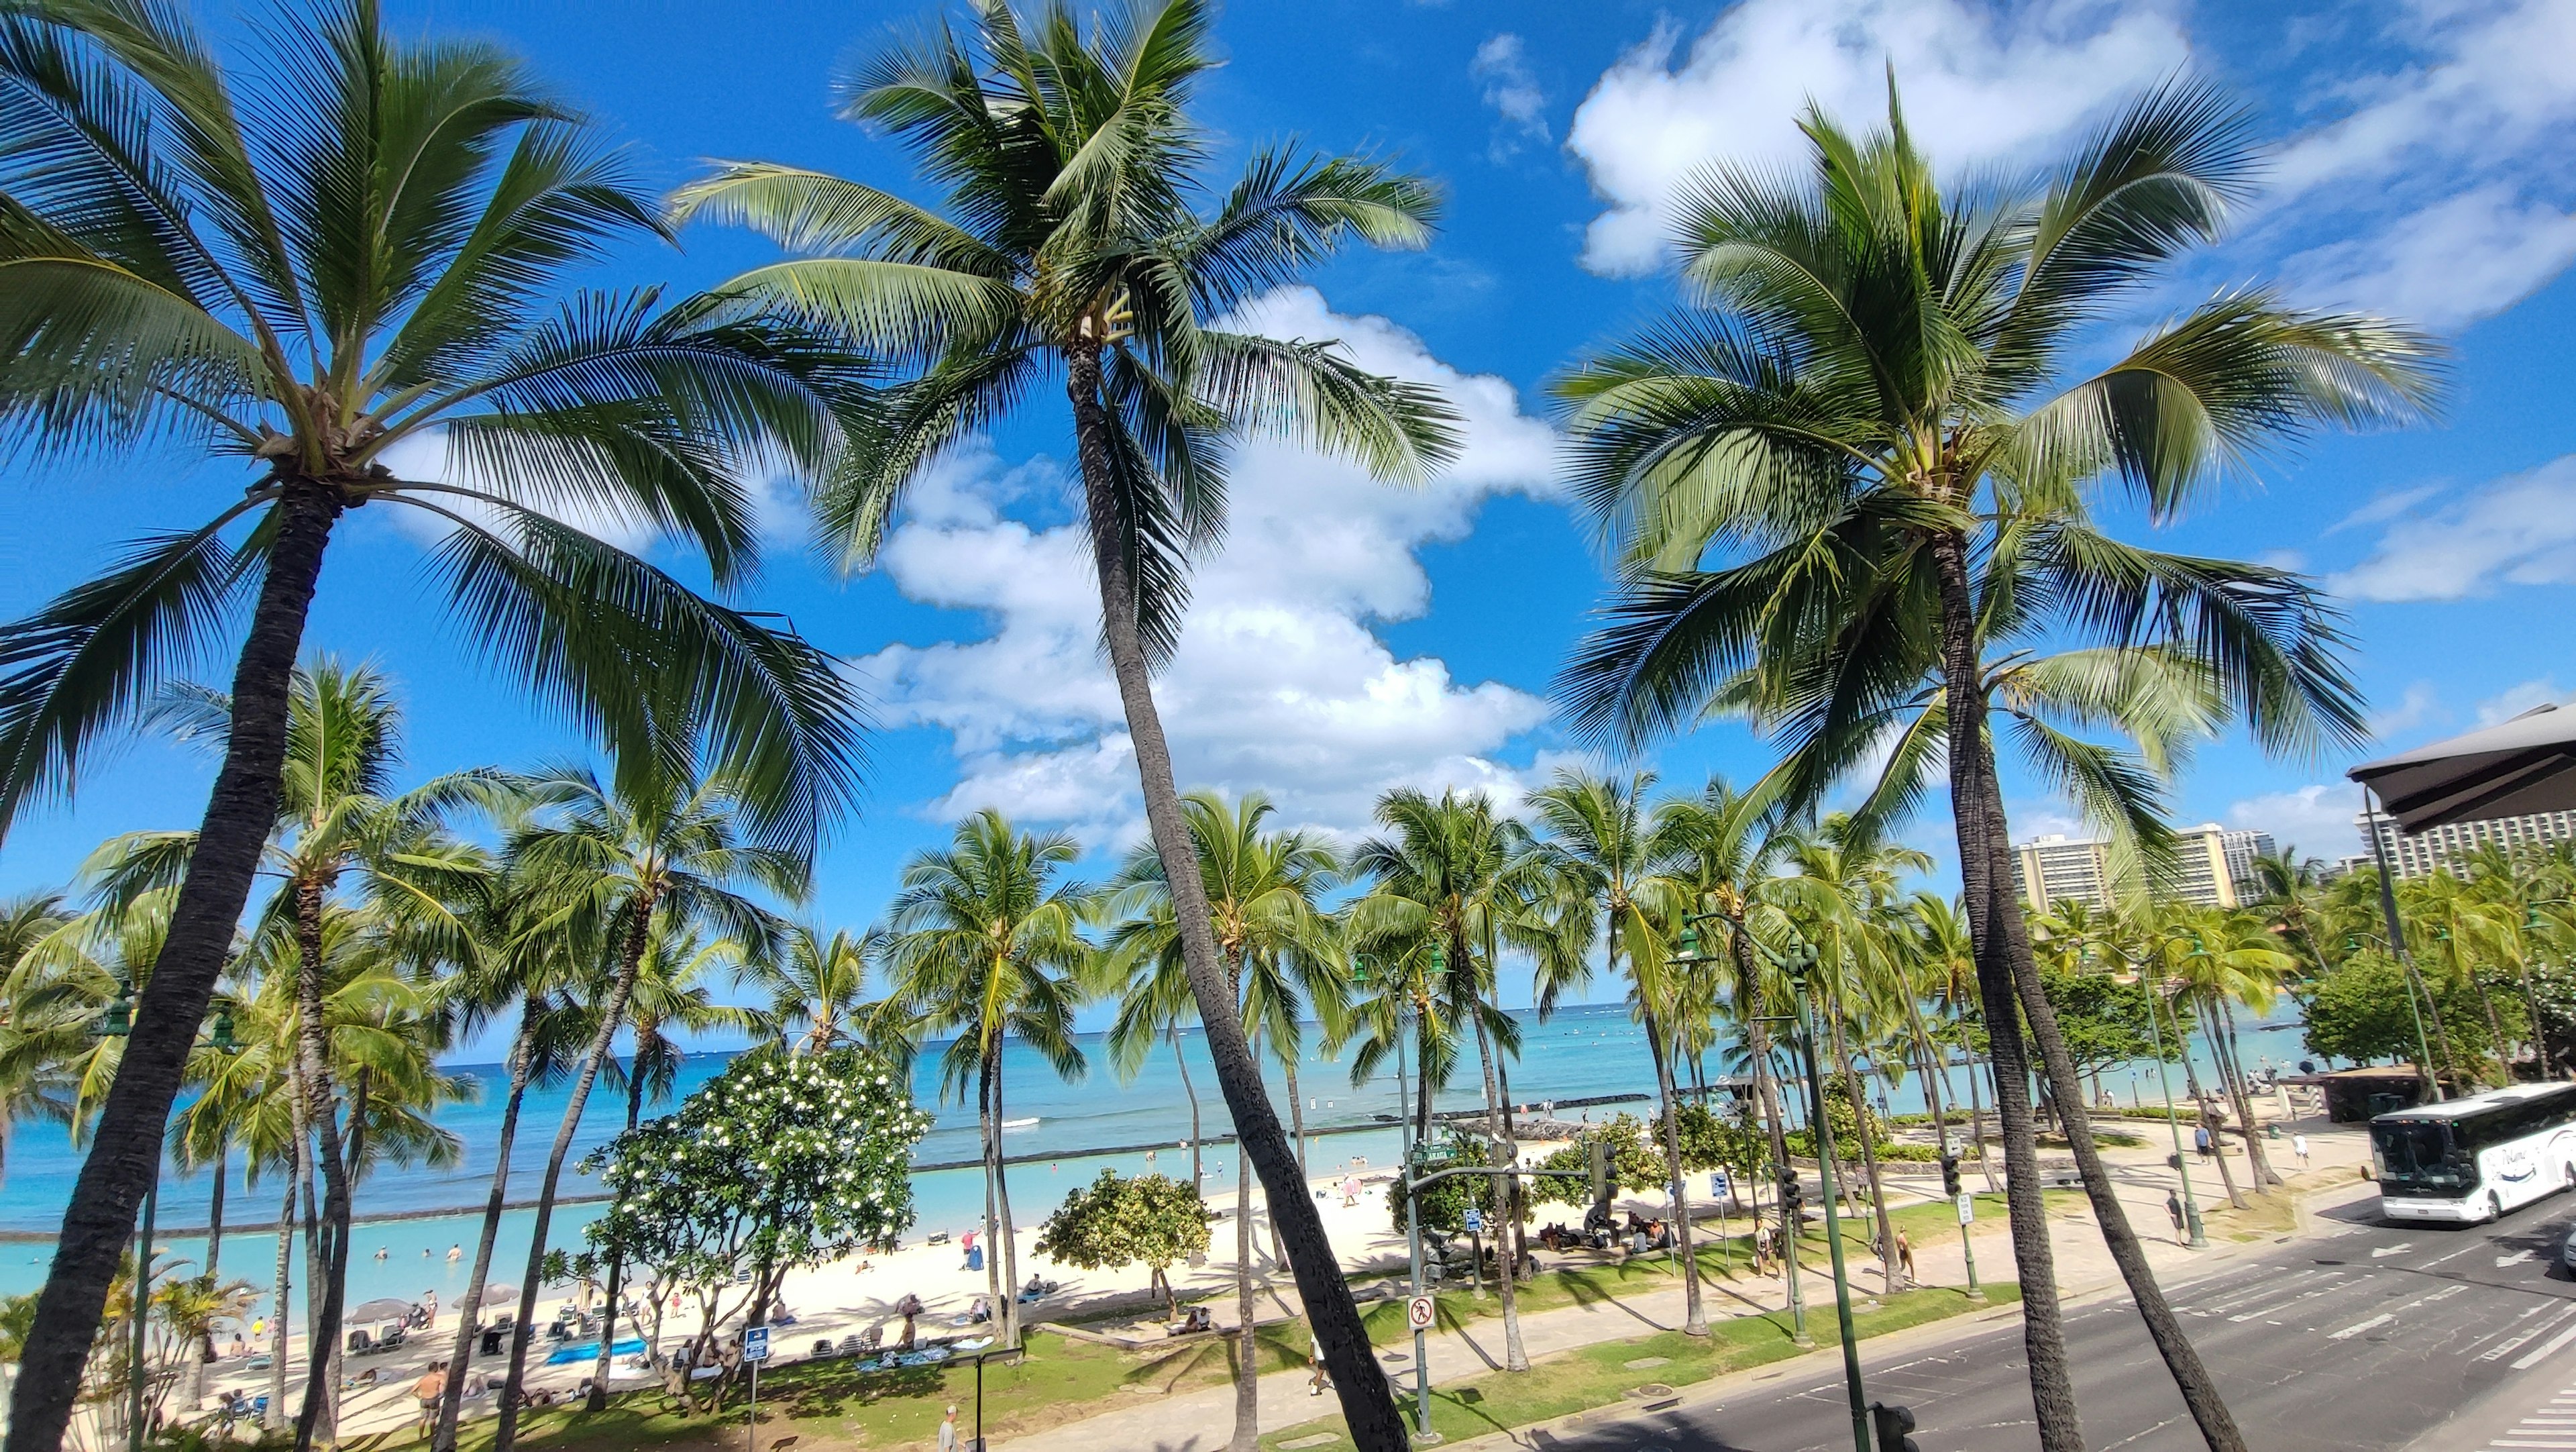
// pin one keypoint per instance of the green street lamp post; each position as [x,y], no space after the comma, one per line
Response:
[115,1023]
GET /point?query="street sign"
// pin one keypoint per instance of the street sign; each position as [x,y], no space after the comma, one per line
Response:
[1717,1183]
[1418,1313]
[1475,1219]
[1967,1208]
[755,1343]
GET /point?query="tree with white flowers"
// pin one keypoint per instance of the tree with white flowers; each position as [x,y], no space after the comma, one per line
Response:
[776,1165]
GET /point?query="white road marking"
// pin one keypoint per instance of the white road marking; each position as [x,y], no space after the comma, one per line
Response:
[2520,1339]
[2399,1248]
[2526,1362]
[2376,1321]
[2517,1258]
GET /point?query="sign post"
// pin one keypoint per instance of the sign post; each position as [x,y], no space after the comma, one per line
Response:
[1967,1208]
[755,1350]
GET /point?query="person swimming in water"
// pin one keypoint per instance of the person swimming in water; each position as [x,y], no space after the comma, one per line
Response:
[455,1253]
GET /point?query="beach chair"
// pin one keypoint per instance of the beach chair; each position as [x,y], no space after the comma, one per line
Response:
[360,1343]
[389,1335]
[822,1347]
[871,1338]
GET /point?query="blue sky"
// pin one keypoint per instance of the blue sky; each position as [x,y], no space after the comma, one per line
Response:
[1352,637]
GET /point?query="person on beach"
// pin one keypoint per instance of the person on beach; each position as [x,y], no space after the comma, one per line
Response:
[427,1391]
[2299,1147]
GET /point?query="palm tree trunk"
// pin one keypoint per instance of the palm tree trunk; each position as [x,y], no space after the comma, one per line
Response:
[1505,1155]
[1985,874]
[354,1156]
[1247,1363]
[313,1054]
[1005,1303]
[1868,1154]
[1368,1405]
[1757,1041]
[215,1210]
[1198,1175]
[1977,1121]
[2210,1124]
[1694,1310]
[132,1125]
[612,1012]
[285,1284]
[469,1309]
[2258,1164]
[597,1401]
[1010,1246]
[1296,1118]
[2007,976]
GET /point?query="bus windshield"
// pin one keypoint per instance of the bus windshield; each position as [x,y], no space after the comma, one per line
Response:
[2419,1158]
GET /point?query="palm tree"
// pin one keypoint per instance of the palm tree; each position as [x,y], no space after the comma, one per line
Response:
[819,985]
[624,860]
[1945,967]
[35,1044]
[528,951]
[361,254]
[671,992]
[338,817]
[1879,421]
[988,944]
[1599,842]
[1078,237]
[1449,882]
[1264,892]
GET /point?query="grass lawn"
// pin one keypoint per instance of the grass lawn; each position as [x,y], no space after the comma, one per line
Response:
[1594,1376]
[1058,1380]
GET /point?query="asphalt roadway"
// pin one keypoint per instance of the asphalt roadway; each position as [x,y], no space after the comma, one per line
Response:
[2363,1338]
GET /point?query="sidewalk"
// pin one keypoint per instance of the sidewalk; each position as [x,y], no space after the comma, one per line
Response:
[1201,1420]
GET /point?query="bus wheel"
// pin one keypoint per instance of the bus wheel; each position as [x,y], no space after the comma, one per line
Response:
[2495,1208]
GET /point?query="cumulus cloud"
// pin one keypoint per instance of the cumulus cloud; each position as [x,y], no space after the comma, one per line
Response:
[2317,819]
[1512,89]
[2420,705]
[2514,700]
[1279,683]
[1981,84]
[2518,530]
[2439,187]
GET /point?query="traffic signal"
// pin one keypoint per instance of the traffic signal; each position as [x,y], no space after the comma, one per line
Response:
[1793,1196]
[1892,1423]
[1950,1176]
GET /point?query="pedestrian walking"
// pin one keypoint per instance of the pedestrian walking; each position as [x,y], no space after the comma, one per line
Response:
[948,1430]
[2200,1140]
[1320,1382]
[431,1386]
[1905,1255]
[2299,1147]
[2173,1209]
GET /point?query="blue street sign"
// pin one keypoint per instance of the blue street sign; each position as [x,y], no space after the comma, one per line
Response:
[1475,1218]
[755,1343]
[1717,1182]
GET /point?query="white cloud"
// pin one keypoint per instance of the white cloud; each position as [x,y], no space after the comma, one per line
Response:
[2316,819]
[2458,259]
[2518,530]
[2441,190]
[1512,89]
[2420,704]
[2514,700]
[1980,85]
[1278,683]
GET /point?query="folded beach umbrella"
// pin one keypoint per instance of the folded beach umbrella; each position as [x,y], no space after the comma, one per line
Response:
[2512,769]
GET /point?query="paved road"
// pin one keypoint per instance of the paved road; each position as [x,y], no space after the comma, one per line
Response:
[2366,1339]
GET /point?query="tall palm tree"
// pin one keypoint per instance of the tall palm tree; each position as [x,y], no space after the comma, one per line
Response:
[1945,969]
[35,1043]
[988,944]
[1881,423]
[1449,881]
[1600,843]
[338,819]
[1083,234]
[1264,892]
[528,952]
[817,987]
[672,993]
[368,249]
[623,860]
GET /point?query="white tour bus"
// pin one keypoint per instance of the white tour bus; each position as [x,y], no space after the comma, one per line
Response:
[2473,1159]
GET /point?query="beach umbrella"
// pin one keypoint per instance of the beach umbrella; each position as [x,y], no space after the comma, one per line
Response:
[383,1308]
[2512,769]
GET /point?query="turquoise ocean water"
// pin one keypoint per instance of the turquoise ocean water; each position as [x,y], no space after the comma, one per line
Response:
[412,1216]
